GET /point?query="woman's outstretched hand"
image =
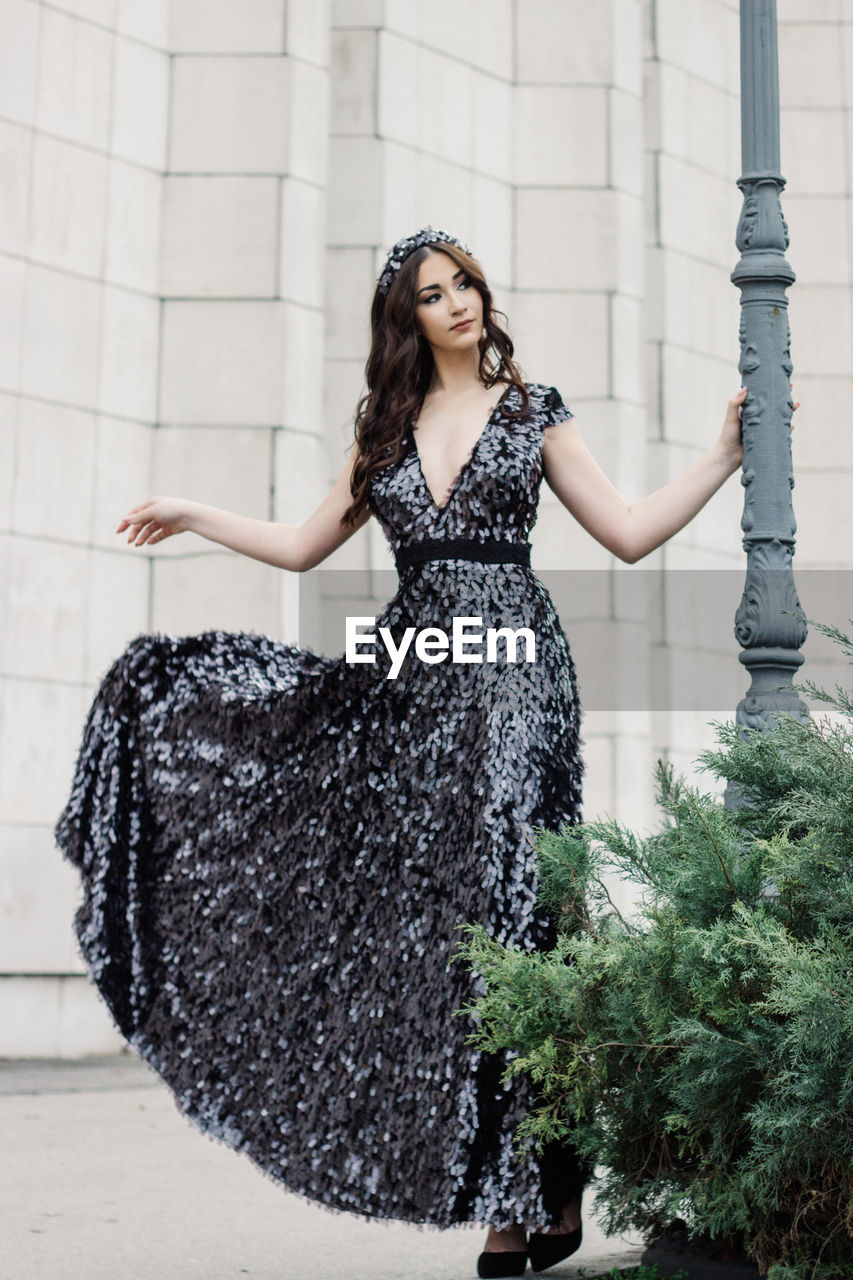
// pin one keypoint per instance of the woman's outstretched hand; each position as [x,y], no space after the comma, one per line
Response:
[731,436]
[154,520]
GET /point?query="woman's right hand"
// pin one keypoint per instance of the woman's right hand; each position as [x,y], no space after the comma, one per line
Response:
[155,519]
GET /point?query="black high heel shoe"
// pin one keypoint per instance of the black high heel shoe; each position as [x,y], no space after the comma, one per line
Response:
[493,1266]
[546,1249]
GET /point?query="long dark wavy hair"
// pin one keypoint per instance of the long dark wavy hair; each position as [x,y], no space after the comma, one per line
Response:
[400,366]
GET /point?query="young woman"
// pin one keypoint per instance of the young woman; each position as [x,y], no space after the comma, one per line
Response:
[278,847]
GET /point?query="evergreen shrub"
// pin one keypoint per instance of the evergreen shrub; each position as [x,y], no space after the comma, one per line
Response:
[700,1051]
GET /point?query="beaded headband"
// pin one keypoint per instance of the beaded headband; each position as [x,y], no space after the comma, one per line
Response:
[403,248]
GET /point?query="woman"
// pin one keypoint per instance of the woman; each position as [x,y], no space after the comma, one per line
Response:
[278,847]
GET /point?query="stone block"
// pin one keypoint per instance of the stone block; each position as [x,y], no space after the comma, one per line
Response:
[54,464]
[16,144]
[8,415]
[560,542]
[219,26]
[220,237]
[560,136]
[358,13]
[39,893]
[13,278]
[99,11]
[827,407]
[579,44]
[401,210]
[350,283]
[491,42]
[492,229]
[815,150]
[578,240]
[845,36]
[301,484]
[303,241]
[19,56]
[627,347]
[68,206]
[85,1025]
[825,537]
[221,591]
[698,122]
[61,336]
[633,777]
[226,467]
[449,86]
[803,47]
[302,369]
[492,126]
[140,115]
[821,339]
[122,478]
[40,733]
[628,55]
[598,782]
[691,378]
[701,594]
[145,20]
[344,386]
[74,80]
[800,11]
[818,227]
[134,200]
[230,115]
[354,57]
[129,356]
[117,607]
[443,198]
[611,664]
[221,363]
[29,1017]
[703,39]
[564,339]
[691,303]
[44,633]
[307,31]
[355,191]
[697,211]
[308,122]
[625,146]
[398,88]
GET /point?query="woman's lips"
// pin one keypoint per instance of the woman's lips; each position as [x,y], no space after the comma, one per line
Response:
[463,324]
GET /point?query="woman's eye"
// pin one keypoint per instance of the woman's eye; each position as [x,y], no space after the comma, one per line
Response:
[465,284]
[431,297]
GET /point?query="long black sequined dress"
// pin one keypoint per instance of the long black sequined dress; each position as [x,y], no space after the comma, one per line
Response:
[277,848]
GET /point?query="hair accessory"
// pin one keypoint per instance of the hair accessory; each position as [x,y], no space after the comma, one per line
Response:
[402,249]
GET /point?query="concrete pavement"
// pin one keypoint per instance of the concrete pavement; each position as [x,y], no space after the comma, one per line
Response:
[102,1178]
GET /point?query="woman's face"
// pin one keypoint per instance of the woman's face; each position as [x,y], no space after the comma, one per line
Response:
[448,307]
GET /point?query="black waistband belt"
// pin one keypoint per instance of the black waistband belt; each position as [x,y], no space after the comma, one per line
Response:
[491,551]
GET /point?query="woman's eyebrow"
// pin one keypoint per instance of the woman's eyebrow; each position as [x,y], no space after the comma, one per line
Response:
[459,273]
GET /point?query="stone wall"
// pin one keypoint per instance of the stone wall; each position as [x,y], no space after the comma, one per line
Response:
[198,196]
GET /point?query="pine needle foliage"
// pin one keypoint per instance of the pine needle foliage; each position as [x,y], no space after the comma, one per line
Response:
[700,1053]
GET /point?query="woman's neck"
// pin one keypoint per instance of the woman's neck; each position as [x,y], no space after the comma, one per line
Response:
[455,373]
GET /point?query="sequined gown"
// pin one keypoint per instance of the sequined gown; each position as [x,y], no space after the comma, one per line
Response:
[277,848]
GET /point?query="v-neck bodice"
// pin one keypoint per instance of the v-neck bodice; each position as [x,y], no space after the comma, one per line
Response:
[467,463]
[496,491]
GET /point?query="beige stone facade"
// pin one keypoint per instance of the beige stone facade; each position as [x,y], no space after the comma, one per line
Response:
[197,196]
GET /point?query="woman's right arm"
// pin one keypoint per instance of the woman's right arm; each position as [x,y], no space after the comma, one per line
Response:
[287,546]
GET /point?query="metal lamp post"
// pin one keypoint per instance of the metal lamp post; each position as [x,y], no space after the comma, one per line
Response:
[768,624]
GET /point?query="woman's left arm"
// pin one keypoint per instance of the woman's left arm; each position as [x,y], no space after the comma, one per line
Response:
[633,531]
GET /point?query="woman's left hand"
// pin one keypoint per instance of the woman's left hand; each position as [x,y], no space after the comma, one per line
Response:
[731,436]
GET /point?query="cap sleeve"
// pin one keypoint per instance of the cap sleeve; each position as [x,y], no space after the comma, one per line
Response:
[555,410]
